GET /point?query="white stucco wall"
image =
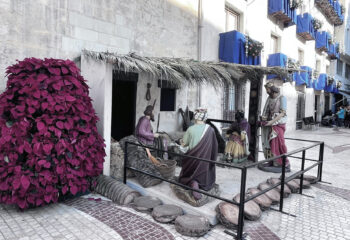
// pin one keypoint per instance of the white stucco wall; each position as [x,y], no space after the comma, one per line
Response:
[99,79]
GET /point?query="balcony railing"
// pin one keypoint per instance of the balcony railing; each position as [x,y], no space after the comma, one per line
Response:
[320,82]
[331,87]
[280,9]
[305,27]
[322,41]
[332,10]
[232,48]
[333,51]
[304,77]
[276,59]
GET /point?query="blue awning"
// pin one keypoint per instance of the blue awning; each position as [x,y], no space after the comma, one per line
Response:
[322,41]
[284,7]
[276,59]
[337,8]
[333,51]
[305,26]
[331,88]
[232,49]
[306,77]
[321,82]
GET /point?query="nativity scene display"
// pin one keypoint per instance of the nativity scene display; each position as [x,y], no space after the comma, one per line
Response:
[161,153]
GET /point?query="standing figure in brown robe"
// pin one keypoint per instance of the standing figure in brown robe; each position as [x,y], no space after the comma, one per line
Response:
[201,141]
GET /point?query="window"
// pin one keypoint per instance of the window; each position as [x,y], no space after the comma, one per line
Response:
[340,67]
[347,71]
[167,99]
[274,44]
[229,102]
[232,20]
[301,56]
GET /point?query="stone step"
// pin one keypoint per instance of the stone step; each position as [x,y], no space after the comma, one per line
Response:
[166,195]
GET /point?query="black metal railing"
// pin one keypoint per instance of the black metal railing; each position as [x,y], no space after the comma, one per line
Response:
[243,200]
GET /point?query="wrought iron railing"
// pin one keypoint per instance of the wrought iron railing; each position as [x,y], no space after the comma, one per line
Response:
[239,233]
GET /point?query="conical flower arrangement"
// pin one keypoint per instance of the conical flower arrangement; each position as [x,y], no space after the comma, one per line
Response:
[49,144]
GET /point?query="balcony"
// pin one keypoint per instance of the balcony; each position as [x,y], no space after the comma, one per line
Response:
[305,27]
[320,83]
[277,59]
[322,44]
[331,86]
[233,47]
[280,9]
[332,10]
[304,77]
[333,51]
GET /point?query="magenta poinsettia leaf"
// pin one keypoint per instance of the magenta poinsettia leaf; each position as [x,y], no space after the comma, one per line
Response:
[54,71]
[60,124]
[25,182]
[74,190]
[48,134]
[16,183]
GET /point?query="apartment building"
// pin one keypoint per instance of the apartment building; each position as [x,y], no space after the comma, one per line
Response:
[306,32]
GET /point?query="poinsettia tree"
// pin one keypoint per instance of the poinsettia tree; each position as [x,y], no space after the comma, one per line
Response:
[49,144]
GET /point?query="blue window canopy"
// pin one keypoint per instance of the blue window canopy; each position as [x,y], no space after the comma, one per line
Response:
[304,77]
[333,51]
[332,10]
[232,48]
[305,28]
[322,41]
[280,9]
[320,83]
[331,86]
[276,59]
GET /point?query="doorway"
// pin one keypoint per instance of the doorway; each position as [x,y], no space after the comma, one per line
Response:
[317,108]
[300,110]
[123,104]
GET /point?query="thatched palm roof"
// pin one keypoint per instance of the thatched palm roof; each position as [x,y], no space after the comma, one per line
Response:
[179,70]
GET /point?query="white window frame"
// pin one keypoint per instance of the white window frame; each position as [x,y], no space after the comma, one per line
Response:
[230,12]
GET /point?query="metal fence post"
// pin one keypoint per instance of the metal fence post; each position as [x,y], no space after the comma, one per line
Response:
[241,204]
[302,175]
[125,161]
[282,181]
[320,159]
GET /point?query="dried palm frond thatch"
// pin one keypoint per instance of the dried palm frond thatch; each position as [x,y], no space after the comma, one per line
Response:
[180,71]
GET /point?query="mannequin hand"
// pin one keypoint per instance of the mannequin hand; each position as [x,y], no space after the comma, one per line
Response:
[156,135]
[269,123]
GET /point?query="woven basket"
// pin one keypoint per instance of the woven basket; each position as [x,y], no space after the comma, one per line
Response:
[166,168]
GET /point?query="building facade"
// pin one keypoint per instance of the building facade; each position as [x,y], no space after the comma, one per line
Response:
[172,28]
[342,66]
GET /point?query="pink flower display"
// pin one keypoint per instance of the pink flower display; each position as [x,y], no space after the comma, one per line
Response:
[49,144]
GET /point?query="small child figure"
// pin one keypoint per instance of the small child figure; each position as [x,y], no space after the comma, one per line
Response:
[237,147]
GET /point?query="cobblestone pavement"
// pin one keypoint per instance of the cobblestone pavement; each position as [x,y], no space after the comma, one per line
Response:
[326,216]
[56,221]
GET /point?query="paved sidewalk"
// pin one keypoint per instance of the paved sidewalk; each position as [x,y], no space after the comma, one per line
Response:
[326,216]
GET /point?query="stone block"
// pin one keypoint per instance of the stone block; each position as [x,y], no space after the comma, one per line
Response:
[85,34]
[104,27]
[79,20]
[124,32]
[120,20]
[71,44]
[75,5]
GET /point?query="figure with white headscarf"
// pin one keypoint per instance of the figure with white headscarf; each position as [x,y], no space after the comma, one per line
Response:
[201,141]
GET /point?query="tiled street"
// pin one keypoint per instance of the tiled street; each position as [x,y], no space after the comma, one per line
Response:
[324,215]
